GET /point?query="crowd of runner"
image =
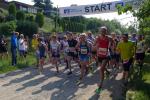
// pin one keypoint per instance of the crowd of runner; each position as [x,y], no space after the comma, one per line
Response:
[85,49]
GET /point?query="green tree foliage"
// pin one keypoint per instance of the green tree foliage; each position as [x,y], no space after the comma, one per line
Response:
[39,19]
[48,7]
[3,14]
[30,17]
[39,4]
[143,16]
[12,10]
[7,28]
[20,15]
[80,24]
[27,28]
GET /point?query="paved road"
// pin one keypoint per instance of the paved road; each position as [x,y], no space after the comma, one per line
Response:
[27,84]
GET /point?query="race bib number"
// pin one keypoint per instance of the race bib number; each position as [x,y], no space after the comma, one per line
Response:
[102,51]
[83,51]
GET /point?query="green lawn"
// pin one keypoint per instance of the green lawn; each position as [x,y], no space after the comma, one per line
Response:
[139,88]
[5,64]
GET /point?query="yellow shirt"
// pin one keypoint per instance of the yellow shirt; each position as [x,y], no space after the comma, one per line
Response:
[126,50]
[34,43]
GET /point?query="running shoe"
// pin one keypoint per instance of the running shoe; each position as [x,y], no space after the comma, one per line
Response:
[98,90]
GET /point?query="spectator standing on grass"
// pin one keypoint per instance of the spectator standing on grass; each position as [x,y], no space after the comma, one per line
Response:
[22,47]
[3,47]
[14,47]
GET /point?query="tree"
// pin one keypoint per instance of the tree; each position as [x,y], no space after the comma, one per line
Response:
[48,7]
[20,15]
[39,4]
[7,28]
[143,16]
[12,10]
[39,19]
[27,28]
[30,17]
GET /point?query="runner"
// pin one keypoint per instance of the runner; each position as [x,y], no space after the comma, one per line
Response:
[93,60]
[3,48]
[55,51]
[65,50]
[41,51]
[34,47]
[126,50]
[72,54]
[114,57]
[102,45]
[133,38]
[140,51]
[84,55]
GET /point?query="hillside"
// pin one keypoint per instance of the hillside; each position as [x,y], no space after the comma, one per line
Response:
[48,25]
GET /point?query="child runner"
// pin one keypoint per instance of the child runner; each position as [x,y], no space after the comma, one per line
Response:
[42,49]
[65,50]
[72,54]
[55,51]
[84,54]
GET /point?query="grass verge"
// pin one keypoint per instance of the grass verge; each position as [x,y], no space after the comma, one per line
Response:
[139,88]
[5,64]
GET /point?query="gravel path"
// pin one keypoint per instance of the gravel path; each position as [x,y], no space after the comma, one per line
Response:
[27,84]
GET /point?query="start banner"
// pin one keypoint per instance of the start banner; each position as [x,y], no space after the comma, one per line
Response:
[89,9]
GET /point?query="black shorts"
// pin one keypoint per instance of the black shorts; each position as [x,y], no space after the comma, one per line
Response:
[56,55]
[139,56]
[127,65]
[73,55]
[118,59]
[101,59]
[94,52]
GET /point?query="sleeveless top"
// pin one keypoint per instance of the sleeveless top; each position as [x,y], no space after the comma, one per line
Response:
[84,49]
[103,45]
[54,47]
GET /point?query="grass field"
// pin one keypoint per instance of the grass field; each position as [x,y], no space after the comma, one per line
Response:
[139,88]
[5,64]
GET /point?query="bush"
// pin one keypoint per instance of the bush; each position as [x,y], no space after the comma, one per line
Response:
[12,10]
[30,17]
[27,28]
[20,15]
[7,28]
[10,18]
[39,19]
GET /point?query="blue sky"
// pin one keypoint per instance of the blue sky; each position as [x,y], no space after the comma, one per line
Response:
[124,19]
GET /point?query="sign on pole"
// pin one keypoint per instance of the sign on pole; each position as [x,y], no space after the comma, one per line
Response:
[89,9]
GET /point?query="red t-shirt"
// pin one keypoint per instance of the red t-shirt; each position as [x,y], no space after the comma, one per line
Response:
[102,46]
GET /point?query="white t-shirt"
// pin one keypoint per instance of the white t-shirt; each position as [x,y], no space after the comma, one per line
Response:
[54,46]
[66,46]
[22,45]
[140,47]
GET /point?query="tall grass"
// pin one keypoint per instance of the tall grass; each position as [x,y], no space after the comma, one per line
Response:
[5,63]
